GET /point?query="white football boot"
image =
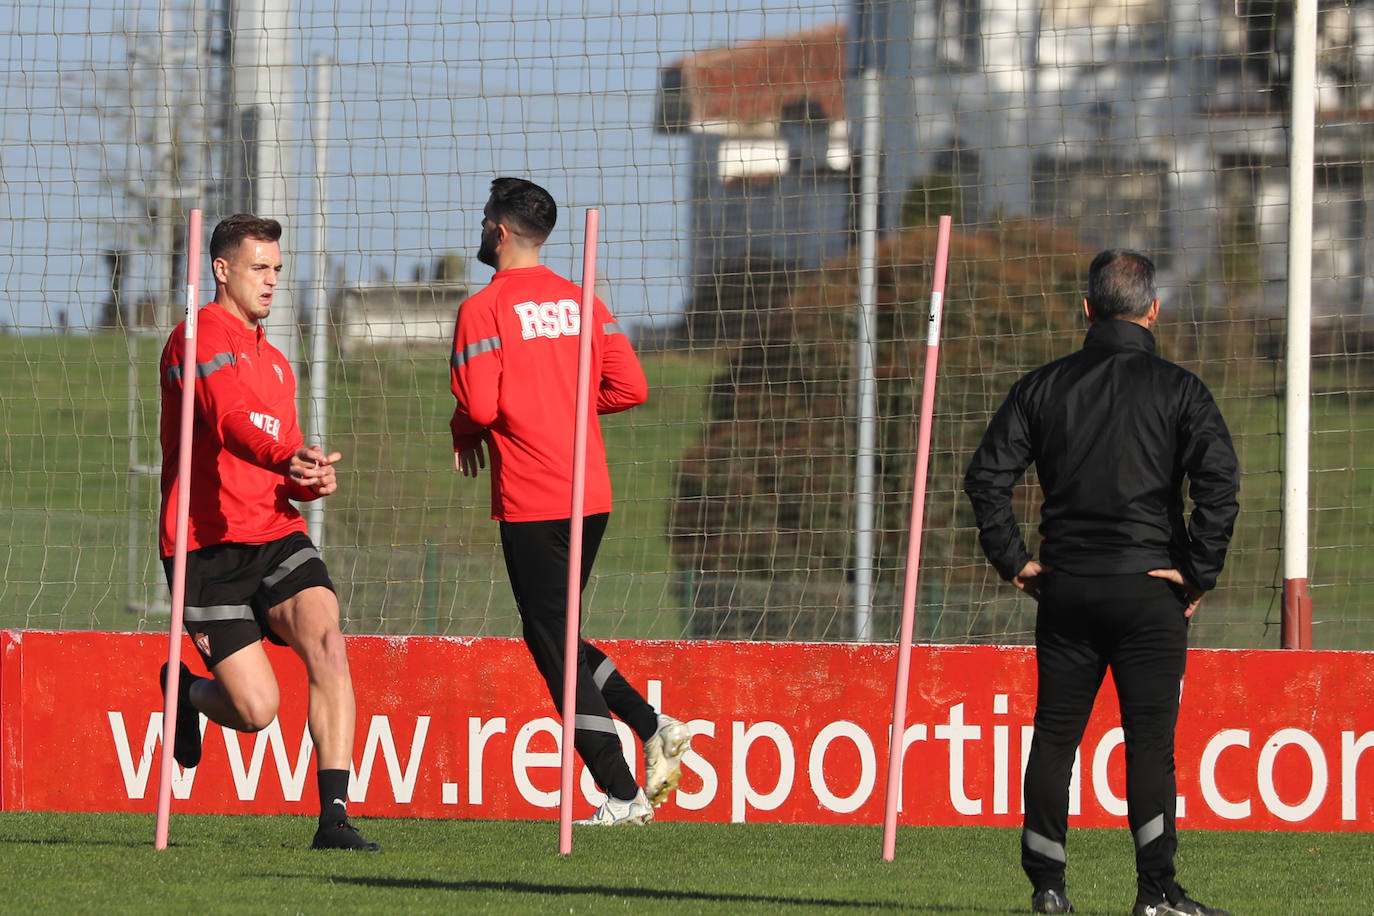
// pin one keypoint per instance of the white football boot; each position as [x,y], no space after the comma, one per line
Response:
[663,758]
[616,813]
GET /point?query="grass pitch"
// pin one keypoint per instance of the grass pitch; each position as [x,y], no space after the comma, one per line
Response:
[69,863]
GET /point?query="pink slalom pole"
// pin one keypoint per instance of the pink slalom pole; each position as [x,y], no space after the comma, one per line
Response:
[913,551]
[188,402]
[587,327]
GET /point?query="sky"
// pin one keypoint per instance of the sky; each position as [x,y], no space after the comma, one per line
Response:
[429,102]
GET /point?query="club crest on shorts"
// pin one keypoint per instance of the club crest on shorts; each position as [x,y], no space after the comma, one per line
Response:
[202,641]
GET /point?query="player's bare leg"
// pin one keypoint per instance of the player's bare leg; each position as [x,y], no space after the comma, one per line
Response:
[309,624]
[242,694]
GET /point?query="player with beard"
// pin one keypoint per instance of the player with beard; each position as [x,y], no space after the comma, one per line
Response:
[513,371]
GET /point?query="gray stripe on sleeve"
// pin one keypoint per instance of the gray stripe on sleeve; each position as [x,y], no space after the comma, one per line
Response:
[474,350]
[209,367]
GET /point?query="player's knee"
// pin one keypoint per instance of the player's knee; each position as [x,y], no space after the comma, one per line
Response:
[257,720]
[258,712]
[327,670]
[328,652]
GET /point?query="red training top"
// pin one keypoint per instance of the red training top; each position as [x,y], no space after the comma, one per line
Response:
[242,440]
[513,371]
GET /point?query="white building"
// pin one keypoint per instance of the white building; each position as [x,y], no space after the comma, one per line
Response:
[767,156]
[1140,122]
[394,313]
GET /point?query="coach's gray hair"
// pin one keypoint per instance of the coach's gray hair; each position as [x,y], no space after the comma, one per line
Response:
[1121,284]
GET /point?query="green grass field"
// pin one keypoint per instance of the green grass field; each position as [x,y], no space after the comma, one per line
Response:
[71,863]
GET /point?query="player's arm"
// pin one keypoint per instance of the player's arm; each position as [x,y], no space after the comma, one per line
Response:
[1209,460]
[475,372]
[1002,457]
[221,406]
[622,377]
[309,472]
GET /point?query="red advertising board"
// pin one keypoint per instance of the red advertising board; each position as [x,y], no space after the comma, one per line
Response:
[793,732]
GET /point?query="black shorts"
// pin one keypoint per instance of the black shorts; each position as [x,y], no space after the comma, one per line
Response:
[230,588]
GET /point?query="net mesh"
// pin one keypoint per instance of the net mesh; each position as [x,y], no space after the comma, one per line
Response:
[721,144]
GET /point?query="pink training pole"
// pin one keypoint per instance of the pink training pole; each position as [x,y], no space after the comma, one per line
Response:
[188,401]
[587,324]
[913,552]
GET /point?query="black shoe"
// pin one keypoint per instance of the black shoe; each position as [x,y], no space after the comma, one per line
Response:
[1174,902]
[186,746]
[1050,900]
[342,835]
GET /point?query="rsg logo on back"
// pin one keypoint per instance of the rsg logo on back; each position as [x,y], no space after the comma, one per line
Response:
[548,319]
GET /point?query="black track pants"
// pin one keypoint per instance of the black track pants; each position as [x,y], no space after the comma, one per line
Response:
[1134,625]
[537,562]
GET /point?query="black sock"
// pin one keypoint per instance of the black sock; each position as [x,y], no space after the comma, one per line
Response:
[191,682]
[333,796]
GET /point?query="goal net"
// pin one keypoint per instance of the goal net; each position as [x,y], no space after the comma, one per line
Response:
[724,146]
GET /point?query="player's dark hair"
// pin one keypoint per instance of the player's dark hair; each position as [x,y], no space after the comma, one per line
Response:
[524,207]
[1121,284]
[232,230]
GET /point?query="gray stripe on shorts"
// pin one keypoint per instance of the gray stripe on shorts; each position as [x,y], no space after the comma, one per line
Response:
[603,672]
[588,723]
[1042,844]
[217,612]
[289,565]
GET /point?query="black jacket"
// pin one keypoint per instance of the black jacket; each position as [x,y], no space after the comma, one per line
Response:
[1112,430]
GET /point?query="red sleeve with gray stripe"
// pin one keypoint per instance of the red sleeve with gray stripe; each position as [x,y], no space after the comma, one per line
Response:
[243,436]
[513,374]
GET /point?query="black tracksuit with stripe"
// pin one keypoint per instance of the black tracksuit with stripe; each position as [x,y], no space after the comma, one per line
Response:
[1113,431]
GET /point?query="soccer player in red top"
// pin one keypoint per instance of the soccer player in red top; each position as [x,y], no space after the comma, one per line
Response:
[251,569]
[513,371]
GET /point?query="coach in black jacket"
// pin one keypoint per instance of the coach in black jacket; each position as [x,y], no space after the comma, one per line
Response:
[1113,430]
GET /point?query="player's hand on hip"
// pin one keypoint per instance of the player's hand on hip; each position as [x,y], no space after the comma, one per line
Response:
[1028,579]
[470,461]
[1191,593]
